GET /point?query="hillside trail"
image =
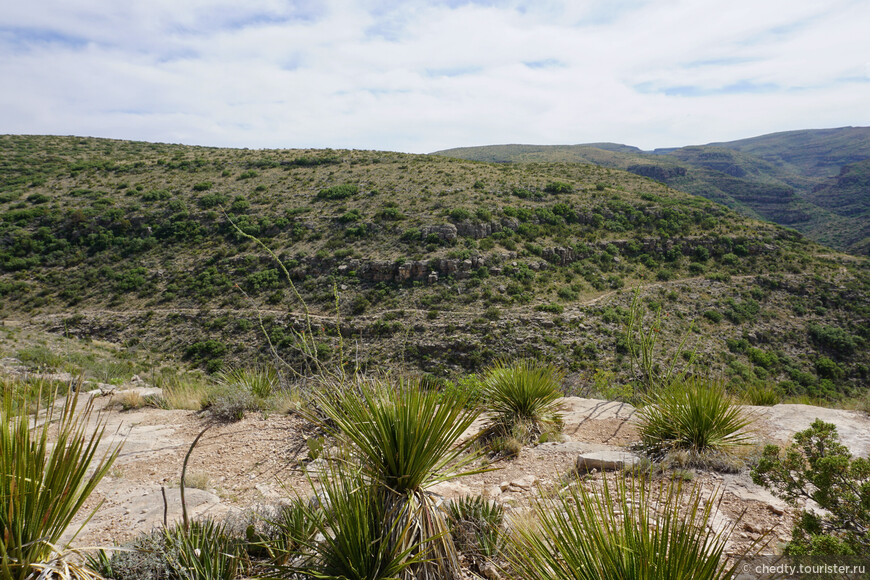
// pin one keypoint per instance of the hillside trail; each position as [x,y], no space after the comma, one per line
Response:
[56,317]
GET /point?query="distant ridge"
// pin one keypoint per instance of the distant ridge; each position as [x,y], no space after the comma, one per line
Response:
[801,179]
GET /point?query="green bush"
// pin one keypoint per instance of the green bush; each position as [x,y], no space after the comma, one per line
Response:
[365,536]
[205,349]
[204,551]
[743,311]
[391,214]
[228,404]
[828,369]
[338,191]
[818,468]
[260,381]
[460,214]
[713,316]
[558,187]
[353,215]
[754,394]
[832,338]
[476,525]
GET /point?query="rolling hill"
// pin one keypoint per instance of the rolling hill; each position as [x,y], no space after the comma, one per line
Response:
[419,263]
[791,178]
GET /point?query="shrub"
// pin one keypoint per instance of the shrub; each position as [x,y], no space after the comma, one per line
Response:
[626,531]
[743,311]
[833,338]
[764,396]
[818,468]
[713,316]
[364,537]
[391,214]
[522,398]
[492,313]
[338,191]
[229,404]
[144,558]
[567,293]
[205,351]
[826,368]
[695,415]
[558,187]
[44,485]
[281,532]
[460,214]
[353,215]
[202,186]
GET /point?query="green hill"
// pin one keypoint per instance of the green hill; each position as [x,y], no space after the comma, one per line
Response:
[774,177]
[414,262]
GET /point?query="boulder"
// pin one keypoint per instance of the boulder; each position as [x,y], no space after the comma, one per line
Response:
[446,232]
[605,461]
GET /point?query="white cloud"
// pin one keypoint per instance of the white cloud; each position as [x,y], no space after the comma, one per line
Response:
[419,76]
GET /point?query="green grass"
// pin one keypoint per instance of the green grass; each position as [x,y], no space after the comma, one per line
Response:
[260,381]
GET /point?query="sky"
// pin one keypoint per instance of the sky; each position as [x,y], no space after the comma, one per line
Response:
[424,75]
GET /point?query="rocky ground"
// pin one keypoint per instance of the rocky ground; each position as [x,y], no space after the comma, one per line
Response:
[264,458]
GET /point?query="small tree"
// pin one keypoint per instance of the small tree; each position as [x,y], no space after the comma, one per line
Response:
[818,467]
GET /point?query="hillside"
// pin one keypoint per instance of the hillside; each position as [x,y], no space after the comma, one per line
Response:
[413,262]
[782,177]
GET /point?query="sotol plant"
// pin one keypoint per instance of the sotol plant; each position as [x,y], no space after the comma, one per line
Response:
[522,398]
[405,440]
[45,480]
[628,530]
[695,415]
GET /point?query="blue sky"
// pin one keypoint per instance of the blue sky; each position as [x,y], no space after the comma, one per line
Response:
[419,76]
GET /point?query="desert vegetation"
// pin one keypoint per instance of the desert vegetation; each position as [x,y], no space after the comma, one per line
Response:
[423,319]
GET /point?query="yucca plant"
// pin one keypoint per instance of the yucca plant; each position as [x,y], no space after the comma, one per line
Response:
[204,551]
[44,483]
[629,529]
[405,441]
[357,532]
[523,398]
[695,415]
